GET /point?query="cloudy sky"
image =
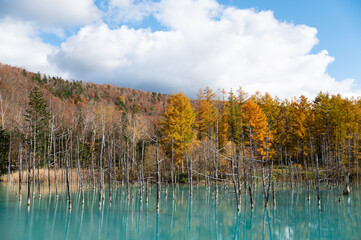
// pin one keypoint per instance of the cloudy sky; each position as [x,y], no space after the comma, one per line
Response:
[286,48]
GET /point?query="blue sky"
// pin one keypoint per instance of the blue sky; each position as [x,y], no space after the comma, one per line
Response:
[285,47]
[338,23]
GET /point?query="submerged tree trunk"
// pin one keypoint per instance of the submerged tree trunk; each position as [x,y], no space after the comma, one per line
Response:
[357,165]
[80,175]
[109,171]
[101,197]
[34,158]
[49,154]
[318,182]
[273,194]
[67,176]
[250,195]
[172,169]
[20,170]
[235,185]
[55,168]
[216,162]
[127,168]
[158,174]
[28,176]
[269,182]
[9,160]
[189,164]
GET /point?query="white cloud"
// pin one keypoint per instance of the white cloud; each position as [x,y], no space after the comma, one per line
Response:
[129,10]
[205,44]
[59,13]
[20,46]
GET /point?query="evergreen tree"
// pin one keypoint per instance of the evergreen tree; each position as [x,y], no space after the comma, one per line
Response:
[4,150]
[38,116]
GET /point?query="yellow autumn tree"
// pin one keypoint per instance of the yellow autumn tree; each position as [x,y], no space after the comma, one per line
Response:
[300,118]
[177,125]
[207,113]
[223,126]
[257,126]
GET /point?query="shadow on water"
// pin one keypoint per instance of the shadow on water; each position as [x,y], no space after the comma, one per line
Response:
[197,217]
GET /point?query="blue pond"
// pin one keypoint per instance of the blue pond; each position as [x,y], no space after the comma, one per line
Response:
[198,217]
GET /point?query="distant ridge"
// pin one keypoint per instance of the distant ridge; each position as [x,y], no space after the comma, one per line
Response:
[16,84]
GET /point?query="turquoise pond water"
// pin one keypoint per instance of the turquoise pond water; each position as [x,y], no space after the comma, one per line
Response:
[201,217]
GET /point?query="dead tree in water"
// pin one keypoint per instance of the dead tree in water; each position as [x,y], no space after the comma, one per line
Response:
[189,164]
[101,190]
[357,165]
[140,173]
[80,174]
[250,195]
[109,169]
[318,182]
[67,175]
[273,194]
[28,177]
[49,153]
[55,167]
[347,188]
[236,184]
[216,161]
[269,183]
[158,173]
[172,169]
[9,160]
[20,169]
[126,159]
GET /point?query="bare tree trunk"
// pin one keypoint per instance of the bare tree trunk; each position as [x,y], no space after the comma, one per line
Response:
[205,167]
[269,183]
[357,165]
[49,154]
[263,182]
[250,195]
[158,174]
[216,162]
[282,167]
[273,194]
[172,169]
[235,186]
[244,164]
[28,176]
[20,170]
[141,173]
[101,165]
[67,178]
[34,163]
[189,164]
[44,156]
[55,167]
[109,171]
[9,160]
[290,171]
[80,174]
[127,168]
[92,160]
[318,183]
[146,190]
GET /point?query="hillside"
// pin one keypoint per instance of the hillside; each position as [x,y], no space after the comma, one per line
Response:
[16,84]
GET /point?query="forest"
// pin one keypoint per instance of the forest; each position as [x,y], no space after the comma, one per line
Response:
[89,136]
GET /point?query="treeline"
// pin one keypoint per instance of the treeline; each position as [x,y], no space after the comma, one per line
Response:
[226,138]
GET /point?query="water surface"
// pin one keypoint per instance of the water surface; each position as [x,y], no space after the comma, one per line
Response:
[198,217]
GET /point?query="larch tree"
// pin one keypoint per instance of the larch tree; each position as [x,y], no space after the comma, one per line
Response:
[207,113]
[257,123]
[177,125]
